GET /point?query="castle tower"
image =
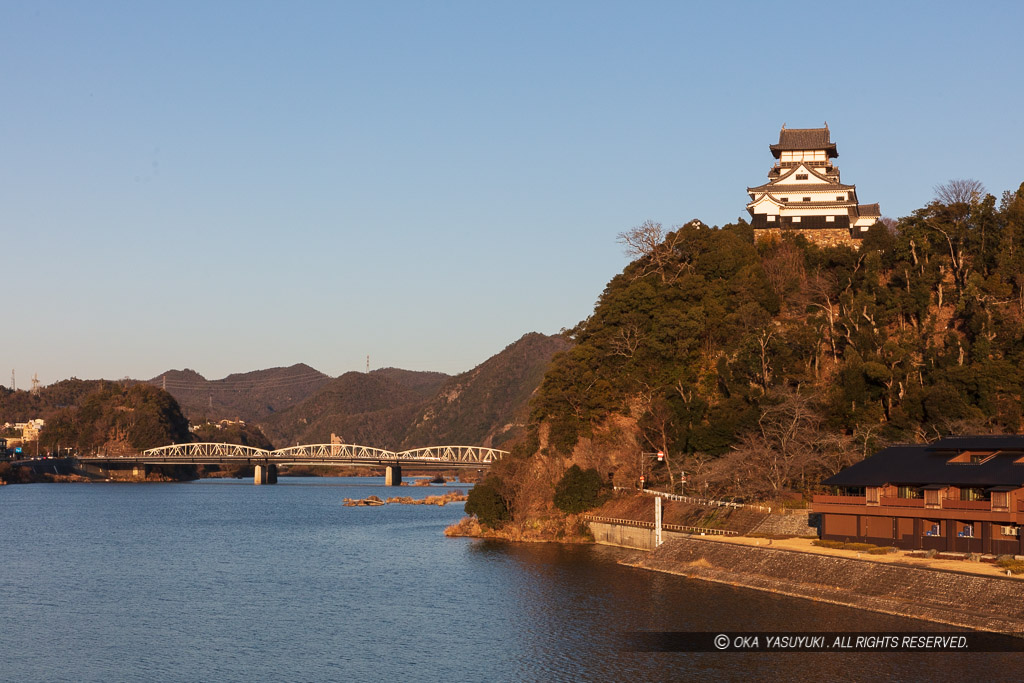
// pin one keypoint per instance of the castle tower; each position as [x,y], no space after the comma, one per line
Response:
[804,195]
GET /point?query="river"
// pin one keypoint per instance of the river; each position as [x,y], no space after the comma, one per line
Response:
[220,580]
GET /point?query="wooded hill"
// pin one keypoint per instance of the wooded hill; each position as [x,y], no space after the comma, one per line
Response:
[761,368]
[97,415]
[489,405]
[399,409]
[387,408]
[250,396]
[372,408]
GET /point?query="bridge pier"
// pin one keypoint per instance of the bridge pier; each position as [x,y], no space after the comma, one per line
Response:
[265,474]
[393,475]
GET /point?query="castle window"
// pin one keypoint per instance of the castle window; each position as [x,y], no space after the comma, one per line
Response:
[771,219]
[796,219]
[807,199]
[784,199]
[840,197]
[801,176]
[830,219]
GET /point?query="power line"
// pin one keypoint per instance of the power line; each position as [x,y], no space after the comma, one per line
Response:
[237,385]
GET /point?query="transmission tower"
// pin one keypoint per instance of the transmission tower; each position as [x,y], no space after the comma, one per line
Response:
[35,383]
[14,387]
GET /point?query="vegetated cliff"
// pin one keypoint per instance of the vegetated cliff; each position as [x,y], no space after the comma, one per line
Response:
[373,409]
[117,418]
[250,396]
[762,368]
[488,405]
[20,406]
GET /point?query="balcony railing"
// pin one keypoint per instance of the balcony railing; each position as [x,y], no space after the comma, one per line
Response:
[946,503]
[839,500]
[953,504]
[902,502]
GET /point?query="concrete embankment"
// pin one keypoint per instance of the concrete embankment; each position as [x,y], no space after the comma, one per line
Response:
[971,601]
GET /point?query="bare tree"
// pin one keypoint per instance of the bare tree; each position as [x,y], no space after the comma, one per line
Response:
[657,249]
[961,196]
[784,268]
[961,191]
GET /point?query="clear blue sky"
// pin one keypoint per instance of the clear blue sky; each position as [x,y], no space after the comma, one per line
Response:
[230,186]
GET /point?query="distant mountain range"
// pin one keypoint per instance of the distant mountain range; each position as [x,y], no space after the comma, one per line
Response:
[489,405]
[251,396]
[388,408]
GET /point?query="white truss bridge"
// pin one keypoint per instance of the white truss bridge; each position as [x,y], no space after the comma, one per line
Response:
[329,453]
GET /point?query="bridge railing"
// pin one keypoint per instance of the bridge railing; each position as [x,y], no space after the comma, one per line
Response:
[206,450]
[328,451]
[454,454]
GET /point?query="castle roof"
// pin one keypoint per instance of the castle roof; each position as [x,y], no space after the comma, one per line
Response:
[869,210]
[776,188]
[795,139]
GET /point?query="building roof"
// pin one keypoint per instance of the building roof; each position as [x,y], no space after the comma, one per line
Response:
[869,210]
[795,139]
[808,187]
[921,465]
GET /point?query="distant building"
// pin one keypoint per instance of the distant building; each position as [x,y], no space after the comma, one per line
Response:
[30,430]
[963,494]
[804,195]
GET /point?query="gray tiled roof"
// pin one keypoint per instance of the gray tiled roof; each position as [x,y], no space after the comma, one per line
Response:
[776,188]
[792,139]
[869,210]
[929,464]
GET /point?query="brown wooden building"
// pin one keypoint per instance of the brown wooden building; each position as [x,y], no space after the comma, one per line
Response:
[963,494]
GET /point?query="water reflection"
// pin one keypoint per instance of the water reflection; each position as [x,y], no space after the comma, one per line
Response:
[234,582]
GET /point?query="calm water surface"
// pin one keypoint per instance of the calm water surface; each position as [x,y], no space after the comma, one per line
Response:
[220,580]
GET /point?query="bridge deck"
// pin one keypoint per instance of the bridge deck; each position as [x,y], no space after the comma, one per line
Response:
[434,457]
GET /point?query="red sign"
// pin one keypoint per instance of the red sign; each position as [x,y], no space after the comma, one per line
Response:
[661,455]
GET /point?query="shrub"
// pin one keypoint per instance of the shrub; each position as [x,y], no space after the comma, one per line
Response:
[1015,566]
[487,505]
[580,490]
[882,550]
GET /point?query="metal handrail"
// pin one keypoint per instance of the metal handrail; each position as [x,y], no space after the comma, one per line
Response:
[668,527]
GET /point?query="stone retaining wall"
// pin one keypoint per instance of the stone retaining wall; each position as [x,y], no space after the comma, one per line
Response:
[629,536]
[966,600]
[790,523]
[823,237]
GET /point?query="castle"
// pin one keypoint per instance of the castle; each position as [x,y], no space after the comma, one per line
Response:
[804,196]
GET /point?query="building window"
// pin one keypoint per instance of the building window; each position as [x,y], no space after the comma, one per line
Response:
[784,199]
[801,176]
[840,197]
[796,219]
[807,199]
[830,219]
[908,492]
[771,219]
[974,494]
